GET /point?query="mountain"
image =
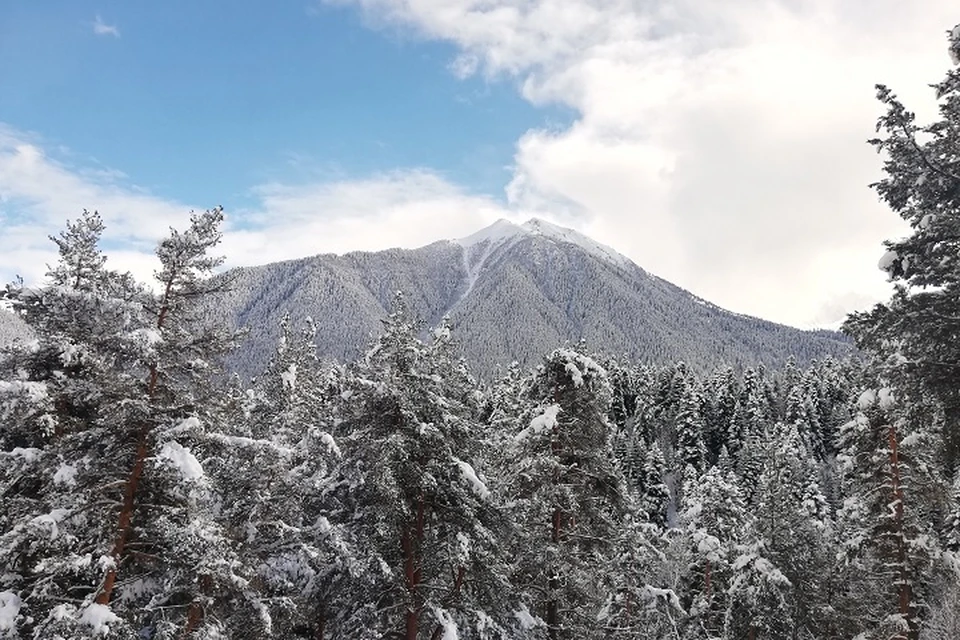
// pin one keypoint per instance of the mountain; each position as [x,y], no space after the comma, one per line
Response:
[513,292]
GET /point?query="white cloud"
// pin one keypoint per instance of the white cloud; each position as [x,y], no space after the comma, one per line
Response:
[103,29]
[401,209]
[39,192]
[720,145]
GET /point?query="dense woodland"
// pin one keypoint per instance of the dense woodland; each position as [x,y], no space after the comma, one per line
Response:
[147,493]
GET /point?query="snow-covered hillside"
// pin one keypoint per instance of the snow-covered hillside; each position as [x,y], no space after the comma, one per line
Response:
[525,290]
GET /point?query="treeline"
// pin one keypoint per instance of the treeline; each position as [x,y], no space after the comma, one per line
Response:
[144,493]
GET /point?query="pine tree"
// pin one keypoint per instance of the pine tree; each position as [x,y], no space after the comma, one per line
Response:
[722,394]
[793,525]
[691,451]
[569,497]
[916,329]
[54,397]
[277,461]
[759,598]
[128,377]
[713,518]
[655,495]
[889,535]
[414,500]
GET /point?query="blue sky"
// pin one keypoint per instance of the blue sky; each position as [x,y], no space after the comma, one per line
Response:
[718,145]
[197,101]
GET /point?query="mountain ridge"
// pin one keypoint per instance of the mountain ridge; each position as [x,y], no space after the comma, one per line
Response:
[513,292]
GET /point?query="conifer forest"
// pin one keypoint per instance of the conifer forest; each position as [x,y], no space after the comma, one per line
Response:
[148,492]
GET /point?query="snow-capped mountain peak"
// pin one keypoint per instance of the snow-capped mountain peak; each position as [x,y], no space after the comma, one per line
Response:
[536,226]
[505,232]
[497,232]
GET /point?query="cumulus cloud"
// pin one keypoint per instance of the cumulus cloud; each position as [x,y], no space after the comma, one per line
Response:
[720,145]
[103,29]
[400,209]
[39,192]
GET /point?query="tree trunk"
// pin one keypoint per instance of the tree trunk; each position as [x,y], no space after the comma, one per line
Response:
[553,605]
[195,613]
[125,522]
[904,599]
[126,519]
[410,543]
[553,583]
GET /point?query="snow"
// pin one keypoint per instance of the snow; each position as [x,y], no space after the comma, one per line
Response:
[242,441]
[29,454]
[888,260]
[35,391]
[288,378]
[668,595]
[478,247]
[148,337]
[526,619]
[52,520]
[66,474]
[910,440]
[331,444]
[187,424]
[181,458]
[536,226]
[448,625]
[885,398]
[99,617]
[71,355]
[323,525]
[468,473]
[499,231]
[579,365]
[9,609]
[442,332]
[504,232]
[927,220]
[575,374]
[544,422]
[866,399]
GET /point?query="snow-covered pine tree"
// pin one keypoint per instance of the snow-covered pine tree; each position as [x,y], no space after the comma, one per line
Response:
[721,393]
[55,395]
[888,522]
[691,451]
[568,497]
[759,599]
[415,501]
[713,519]
[119,381]
[801,412]
[916,329]
[654,496]
[793,527]
[176,562]
[276,460]
[912,341]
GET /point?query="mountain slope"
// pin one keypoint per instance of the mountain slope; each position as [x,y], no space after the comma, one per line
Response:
[513,292]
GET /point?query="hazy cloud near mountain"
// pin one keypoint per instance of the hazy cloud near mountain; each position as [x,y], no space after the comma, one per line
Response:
[719,145]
